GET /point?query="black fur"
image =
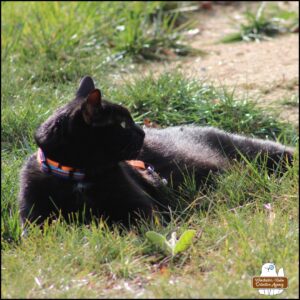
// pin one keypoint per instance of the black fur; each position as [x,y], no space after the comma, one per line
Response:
[87,133]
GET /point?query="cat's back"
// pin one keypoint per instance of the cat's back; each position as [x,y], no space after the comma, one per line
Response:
[184,142]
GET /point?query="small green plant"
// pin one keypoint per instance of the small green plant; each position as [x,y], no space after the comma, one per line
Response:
[263,24]
[172,246]
[148,31]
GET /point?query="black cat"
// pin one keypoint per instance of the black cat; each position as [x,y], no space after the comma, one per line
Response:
[94,160]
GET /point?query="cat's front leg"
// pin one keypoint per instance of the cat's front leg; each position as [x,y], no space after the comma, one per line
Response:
[35,201]
[32,211]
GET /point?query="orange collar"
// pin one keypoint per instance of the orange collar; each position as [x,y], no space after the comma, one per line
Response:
[138,164]
[50,166]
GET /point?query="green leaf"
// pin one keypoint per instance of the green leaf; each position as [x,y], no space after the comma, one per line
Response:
[185,241]
[159,240]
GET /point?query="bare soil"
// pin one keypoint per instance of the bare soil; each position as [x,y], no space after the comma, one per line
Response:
[267,72]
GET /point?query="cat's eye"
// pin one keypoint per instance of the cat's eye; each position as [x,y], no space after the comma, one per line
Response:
[123,124]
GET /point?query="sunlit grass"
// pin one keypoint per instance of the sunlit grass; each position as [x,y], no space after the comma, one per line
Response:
[268,21]
[60,41]
[173,99]
[237,238]
[47,48]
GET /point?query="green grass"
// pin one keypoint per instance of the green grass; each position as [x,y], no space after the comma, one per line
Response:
[70,261]
[268,21]
[236,234]
[172,99]
[59,41]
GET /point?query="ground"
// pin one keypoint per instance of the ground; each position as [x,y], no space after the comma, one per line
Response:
[266,71]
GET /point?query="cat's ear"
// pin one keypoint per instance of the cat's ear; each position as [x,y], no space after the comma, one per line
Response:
[94,98]
[86,86]
[92,106]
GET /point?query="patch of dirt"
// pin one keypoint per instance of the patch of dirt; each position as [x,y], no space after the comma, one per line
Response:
[266,71]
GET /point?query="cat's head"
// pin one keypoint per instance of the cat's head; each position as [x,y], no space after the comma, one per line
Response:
[90,131]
